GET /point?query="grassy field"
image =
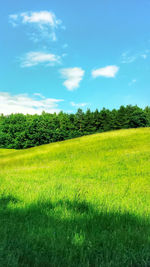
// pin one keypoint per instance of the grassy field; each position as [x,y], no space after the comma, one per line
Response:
[81,202]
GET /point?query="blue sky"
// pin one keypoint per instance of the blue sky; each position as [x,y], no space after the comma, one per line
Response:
[62,55]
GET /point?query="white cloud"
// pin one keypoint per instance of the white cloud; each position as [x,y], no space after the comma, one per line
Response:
[78,104]
[22,103]
[41,17]
[73,77]
[108,72]
[35,58]
[43,21]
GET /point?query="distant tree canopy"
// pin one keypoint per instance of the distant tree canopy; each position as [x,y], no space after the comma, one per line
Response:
[23,131]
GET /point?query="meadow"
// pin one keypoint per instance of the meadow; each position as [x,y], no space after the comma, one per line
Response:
[81,202]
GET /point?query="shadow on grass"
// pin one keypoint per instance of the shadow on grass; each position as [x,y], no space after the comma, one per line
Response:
[5,200]
[69,233]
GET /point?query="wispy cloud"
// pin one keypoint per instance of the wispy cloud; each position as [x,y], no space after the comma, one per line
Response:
[108,72]
[13,19]
[35,58]
[22,103]
[127,57]
[39,95]
[73,77]
[144,56]
[45,22]
[132,82]
[64,46]
[77,105]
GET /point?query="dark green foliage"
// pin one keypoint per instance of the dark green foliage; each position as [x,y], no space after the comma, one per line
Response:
[22,131]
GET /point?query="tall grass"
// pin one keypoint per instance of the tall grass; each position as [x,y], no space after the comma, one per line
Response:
[81,202]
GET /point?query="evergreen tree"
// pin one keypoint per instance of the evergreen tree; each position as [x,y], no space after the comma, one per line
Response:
[22,131]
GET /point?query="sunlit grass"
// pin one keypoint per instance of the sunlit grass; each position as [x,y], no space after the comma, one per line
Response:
[81,202]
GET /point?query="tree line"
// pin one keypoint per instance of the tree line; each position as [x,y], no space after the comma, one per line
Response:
[23,131]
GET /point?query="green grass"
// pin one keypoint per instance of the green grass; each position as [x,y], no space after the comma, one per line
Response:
[81,202]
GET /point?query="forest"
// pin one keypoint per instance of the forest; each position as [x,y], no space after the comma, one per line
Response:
[19,131]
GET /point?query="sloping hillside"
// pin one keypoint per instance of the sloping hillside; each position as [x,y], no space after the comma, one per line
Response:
[81,202]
